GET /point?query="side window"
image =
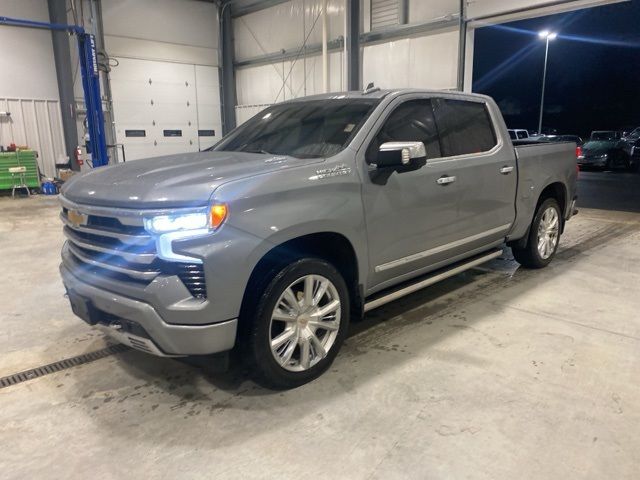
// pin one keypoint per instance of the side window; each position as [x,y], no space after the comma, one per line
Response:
[465,127]
[411,121]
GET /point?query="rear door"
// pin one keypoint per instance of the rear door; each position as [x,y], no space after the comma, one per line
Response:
[487,178]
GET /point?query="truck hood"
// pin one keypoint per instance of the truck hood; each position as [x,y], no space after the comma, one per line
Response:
[173,181]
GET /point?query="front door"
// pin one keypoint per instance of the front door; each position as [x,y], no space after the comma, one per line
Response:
[409,212]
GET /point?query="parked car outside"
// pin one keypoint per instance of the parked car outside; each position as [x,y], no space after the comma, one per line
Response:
[605,135]
[518,134]
[604,150]
[566,138]
[631,147]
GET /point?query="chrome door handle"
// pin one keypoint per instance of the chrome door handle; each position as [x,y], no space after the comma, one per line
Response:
[506,170]
[445,180]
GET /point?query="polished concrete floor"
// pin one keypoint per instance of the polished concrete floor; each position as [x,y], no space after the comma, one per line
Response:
[496,373]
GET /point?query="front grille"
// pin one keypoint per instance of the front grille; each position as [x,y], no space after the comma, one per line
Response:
[121,249]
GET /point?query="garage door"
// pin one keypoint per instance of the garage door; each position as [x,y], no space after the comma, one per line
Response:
[160,108]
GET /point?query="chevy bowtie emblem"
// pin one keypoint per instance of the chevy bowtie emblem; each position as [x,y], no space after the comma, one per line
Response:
[76,218]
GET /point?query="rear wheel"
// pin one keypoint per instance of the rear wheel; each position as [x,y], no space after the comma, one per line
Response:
[544,236]
[299,324]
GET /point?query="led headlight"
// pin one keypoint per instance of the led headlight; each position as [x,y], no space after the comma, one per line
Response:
[180,226]
[175,223]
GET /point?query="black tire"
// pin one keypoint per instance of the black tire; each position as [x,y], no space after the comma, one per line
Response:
[530,256]
[260,329]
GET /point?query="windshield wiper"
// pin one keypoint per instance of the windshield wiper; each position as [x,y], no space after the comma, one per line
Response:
[257,150]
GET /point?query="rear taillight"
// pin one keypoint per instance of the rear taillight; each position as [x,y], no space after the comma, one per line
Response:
[578,152]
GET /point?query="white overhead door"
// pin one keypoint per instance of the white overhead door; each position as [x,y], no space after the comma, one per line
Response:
[208,103]
[156,107]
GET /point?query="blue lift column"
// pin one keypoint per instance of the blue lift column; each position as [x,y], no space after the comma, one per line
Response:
[90,82]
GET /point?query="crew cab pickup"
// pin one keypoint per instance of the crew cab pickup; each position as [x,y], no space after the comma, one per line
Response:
[311,213]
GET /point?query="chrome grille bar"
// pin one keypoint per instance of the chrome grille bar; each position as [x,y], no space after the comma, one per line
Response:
[142,258]
[136,274]
[123,237]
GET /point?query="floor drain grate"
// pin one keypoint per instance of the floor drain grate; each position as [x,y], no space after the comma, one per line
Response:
[61,365]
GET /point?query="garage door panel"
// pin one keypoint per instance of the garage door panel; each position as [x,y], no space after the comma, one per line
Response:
[160,104]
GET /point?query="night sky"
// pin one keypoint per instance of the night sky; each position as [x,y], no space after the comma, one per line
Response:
[593,77]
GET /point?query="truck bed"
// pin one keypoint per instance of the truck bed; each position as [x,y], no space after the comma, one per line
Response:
[541,165]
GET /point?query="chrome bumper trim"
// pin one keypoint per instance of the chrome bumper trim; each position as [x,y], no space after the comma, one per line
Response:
[133,341]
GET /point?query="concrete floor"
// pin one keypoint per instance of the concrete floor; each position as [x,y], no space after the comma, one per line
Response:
[496,373]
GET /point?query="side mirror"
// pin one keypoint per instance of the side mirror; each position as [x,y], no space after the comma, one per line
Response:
[400,154]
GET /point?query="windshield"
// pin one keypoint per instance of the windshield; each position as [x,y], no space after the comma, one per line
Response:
[315,128]
[635,135]
[597,145]
[603,136]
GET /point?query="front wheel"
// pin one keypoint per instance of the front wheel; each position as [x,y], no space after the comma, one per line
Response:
[544,236]
[299,324]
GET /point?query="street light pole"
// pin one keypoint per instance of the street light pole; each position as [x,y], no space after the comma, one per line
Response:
[548,36]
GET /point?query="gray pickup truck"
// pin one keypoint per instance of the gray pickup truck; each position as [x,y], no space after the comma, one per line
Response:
[311,213]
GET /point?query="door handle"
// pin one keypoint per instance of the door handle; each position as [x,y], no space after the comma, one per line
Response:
[444,180]
[506,170]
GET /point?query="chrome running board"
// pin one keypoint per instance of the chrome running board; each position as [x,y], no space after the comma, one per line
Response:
[376,302]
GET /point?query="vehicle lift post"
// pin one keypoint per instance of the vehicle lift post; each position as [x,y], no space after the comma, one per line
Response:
[90,81]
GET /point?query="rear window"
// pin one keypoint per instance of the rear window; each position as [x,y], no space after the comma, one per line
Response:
[464,127]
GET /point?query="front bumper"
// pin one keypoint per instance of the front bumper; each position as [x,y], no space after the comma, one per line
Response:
[139,325]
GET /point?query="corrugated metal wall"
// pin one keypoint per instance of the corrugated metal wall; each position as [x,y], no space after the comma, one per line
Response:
[262,32]
[37,124]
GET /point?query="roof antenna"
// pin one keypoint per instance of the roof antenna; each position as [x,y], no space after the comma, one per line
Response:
[370,89]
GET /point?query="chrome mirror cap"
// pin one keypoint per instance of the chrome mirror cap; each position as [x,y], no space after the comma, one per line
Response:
[408,150]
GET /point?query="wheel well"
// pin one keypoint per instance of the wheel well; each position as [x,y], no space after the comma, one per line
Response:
[554,190]
[558,191]
[332,247]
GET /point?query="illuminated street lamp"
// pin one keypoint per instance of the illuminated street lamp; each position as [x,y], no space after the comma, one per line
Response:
[548,36]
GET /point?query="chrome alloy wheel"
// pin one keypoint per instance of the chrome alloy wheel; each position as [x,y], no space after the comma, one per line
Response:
[305,323]
[548,232]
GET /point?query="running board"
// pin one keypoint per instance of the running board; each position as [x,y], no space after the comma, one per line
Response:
[376,302]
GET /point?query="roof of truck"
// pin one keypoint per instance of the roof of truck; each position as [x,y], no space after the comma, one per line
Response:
[381,93]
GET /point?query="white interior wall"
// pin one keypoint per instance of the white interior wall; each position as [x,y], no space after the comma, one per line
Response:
[29,86]
[28,68]
[260,86]
[285,27]
[423,11]
[429,61]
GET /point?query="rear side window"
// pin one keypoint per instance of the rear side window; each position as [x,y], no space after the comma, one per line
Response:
[412,121]
[464,127]
[522,135]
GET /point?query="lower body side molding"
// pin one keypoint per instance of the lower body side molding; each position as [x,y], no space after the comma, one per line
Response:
[412,286]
